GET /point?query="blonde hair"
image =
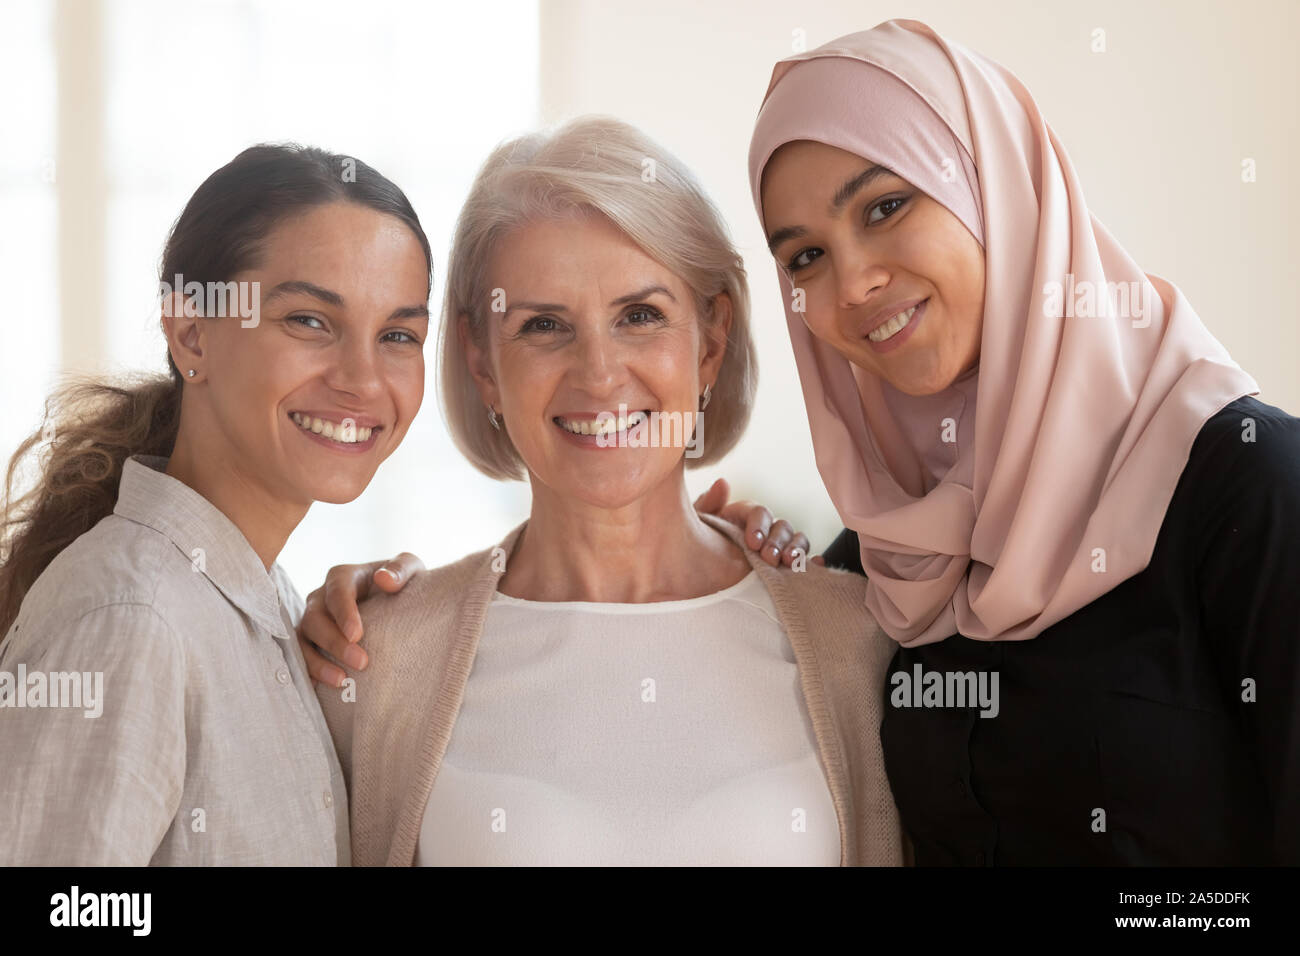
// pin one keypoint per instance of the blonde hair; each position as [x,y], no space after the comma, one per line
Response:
[602,165]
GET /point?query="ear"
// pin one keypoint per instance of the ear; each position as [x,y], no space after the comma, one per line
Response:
[186,336]
[479,361]
[713,343]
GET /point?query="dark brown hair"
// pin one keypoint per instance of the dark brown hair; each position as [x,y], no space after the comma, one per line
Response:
[91,426]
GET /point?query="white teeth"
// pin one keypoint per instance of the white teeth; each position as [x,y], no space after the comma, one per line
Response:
[893,326]
[345,433]
[604,426]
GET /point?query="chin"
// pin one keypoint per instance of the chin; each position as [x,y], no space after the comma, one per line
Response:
[337,492]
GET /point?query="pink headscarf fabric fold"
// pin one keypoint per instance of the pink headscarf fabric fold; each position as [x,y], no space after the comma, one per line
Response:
[1071,432]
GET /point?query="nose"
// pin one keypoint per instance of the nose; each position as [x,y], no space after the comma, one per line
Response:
[858,274]
[598,364]
[355,372]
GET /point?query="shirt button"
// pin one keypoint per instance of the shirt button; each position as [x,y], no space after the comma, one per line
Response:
[282,676]
[329,799]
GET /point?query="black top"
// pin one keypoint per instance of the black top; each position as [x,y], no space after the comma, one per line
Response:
[1158,725]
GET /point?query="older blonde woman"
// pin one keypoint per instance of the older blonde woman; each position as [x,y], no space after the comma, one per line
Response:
[619,680]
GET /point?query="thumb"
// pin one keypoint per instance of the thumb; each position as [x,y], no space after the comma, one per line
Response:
[711,502]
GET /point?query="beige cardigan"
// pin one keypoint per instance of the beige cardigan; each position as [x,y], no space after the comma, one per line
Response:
[421,643]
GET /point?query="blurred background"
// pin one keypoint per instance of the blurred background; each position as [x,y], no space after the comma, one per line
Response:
[111,113]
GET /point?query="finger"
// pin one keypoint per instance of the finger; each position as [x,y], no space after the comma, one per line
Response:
[319,668]
[798,545]
[346,585]
[818,559]
[757,524]
[711,502]
[391,576]
[780,535]
[737,512]
[320,629]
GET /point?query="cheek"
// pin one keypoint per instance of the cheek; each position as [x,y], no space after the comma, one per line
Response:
[820,310]
[405,382]
[670,365]
[254,370]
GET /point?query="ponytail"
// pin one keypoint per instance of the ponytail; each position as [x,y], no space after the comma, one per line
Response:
[89,430]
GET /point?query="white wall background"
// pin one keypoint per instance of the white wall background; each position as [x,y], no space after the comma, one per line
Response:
[113,112]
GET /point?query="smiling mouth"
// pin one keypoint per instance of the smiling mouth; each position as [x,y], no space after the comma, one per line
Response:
[342,433]
[887,330]
[607,425]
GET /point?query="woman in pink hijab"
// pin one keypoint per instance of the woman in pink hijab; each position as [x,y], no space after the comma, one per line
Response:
[1081,530]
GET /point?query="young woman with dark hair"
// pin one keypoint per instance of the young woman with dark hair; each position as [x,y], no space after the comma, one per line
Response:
[157,708]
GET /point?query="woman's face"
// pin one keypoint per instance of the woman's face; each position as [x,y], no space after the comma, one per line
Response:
[865,247]
[593,327]
[337,351]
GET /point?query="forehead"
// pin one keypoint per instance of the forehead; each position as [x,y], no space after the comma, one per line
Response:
[556,253]
[806,170]
[341,242]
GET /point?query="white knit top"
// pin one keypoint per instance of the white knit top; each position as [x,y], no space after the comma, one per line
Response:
[632,734]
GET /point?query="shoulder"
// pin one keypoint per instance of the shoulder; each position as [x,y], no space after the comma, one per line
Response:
[431,604]
[115,572]
[1247,433]
[1246,456]
[829,605]
[842,590]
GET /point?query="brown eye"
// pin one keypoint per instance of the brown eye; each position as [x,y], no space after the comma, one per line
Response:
[644,315]
[889,206]
[540,323]
[800,259]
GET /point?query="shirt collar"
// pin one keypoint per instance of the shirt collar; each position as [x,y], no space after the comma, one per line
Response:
[208,539]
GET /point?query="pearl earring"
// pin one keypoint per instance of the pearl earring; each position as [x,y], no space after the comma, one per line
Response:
[191,373]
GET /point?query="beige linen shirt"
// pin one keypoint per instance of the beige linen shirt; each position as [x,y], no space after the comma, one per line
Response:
[210,748]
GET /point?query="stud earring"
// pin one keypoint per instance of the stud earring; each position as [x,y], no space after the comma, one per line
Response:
[191,373]
[704,399]
[492,417]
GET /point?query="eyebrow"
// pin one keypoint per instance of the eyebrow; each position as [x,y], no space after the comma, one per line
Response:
[299,287]
[621,300]
[848,189]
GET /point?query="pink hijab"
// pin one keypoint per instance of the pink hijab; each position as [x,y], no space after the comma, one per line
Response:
[1070,433]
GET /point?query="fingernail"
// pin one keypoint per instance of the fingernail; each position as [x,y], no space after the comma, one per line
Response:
[353,631]
[760,535]
[354,657]
[389,571]
[775,551]
[795,552]
[334,676]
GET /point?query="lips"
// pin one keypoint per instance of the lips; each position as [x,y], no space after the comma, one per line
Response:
[888,314]
[894,332]
[338,430]
[605,424]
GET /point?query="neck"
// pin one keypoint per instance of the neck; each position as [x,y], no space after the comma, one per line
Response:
[653,549]
[265,520]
